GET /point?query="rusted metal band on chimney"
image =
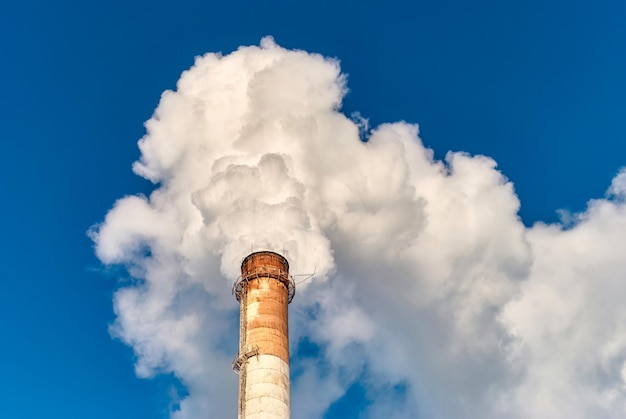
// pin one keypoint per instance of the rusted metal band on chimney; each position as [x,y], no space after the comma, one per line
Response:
[265,265]
[268,262]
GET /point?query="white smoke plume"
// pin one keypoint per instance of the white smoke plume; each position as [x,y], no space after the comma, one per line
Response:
[429,291]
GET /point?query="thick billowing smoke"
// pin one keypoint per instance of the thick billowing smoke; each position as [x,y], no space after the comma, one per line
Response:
[429,291]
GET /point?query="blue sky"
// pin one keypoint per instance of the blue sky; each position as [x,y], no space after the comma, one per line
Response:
[538,86]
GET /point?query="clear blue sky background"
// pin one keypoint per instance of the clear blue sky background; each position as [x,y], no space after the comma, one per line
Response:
[540,86]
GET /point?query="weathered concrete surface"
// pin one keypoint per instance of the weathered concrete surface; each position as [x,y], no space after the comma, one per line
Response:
[264,337]
[267,388]
[266,316]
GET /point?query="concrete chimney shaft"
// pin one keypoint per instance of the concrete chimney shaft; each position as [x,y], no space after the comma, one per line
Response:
[264,291]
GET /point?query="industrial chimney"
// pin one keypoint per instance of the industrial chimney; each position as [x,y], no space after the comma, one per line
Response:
[264,290]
